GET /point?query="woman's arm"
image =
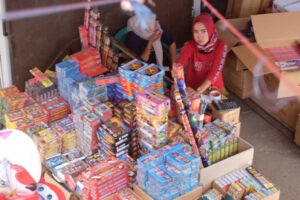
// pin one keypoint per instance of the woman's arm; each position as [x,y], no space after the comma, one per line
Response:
[147,51]
[172,52]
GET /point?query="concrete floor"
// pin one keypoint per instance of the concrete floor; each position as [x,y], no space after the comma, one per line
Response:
[275,154]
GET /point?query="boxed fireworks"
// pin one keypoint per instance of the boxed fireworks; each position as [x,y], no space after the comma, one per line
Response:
[89,61]
[104,179]
[103,111]
[169,172]
[113,137]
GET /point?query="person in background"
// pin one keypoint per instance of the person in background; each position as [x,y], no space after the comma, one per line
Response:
[147,43]
[206,55]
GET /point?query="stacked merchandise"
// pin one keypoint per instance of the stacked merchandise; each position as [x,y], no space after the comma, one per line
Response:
[36,113]
[212,194]
[128,74]
[3,94]
[89,61]
[35,128]
[130,163]
[113,84]
[169,172]
[78,114]
[104,179]
[219,140]
[125,194]
[246,184]
[136,76]
[103,111]
[113,137]
[48,142]
[152,120]
[151,76]
[35,89]
[68,76]
[66,130]
[56,107]
[89,90]
[89,144]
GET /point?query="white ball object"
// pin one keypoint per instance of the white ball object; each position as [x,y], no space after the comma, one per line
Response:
[17,147]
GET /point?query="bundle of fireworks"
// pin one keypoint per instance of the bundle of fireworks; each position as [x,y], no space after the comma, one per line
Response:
[49,143]
[20,124]
[38,91]
[95,158]
[35,128]
[173,128]
[89,61]
[152,120]
[89,90]
[78,114]
[130,163]
[36,113]
[113,137]
[41,77]
[212,194]
[83,33]
[247,184]
[218,143]
[108,79]
[169,172]
[3,94]
[56,107]
[128,74]
[150,76]
[66,130]
[15,101]
[126,194]
[104,179]
[103,111]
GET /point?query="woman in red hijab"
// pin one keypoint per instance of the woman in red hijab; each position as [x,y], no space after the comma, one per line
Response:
[206,55]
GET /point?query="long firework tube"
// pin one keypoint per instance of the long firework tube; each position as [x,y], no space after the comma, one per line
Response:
[186,123]
[181,87]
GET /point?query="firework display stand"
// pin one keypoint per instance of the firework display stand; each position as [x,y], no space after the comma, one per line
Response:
[110,128]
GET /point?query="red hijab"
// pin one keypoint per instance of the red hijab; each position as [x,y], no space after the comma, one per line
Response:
[208,22]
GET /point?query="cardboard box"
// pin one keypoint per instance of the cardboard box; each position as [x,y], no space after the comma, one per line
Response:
[230,116]
[238,129]
[297,133]
[192,195]
[241,24]
[285,6]
[111,197]
[245,8]
[274,196]
[243,158]
[237,79]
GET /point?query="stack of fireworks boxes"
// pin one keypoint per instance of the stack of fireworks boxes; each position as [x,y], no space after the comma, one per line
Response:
[126,111]
[137,76]
[169,172]
[68,75]
[113,137]
[104,179]
[152,120]
[89,92]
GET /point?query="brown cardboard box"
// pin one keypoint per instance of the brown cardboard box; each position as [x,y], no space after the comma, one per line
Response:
[49,179]
[245,8]
[241,24]
[243,158]
[111,197]
[238,129]
[297,133]
[274,196]
[230,116]
[269,32]
[192,195]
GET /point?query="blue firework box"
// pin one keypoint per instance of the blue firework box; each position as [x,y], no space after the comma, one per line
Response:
[64,66]
[141,75]
[126,71]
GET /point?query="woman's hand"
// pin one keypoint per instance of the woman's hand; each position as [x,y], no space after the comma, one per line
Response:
[155,36]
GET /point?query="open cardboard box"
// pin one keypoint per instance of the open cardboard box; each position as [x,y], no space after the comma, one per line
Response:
[244,157]
[297,133]
[274,196]
[278,30]
[192,195]
[231,116]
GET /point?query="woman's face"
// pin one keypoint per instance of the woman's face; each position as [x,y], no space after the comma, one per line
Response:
[200,34]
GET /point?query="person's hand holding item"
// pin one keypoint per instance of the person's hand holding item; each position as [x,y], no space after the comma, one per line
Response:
[156,35]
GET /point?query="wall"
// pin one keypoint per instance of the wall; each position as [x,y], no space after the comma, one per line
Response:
[36,41]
